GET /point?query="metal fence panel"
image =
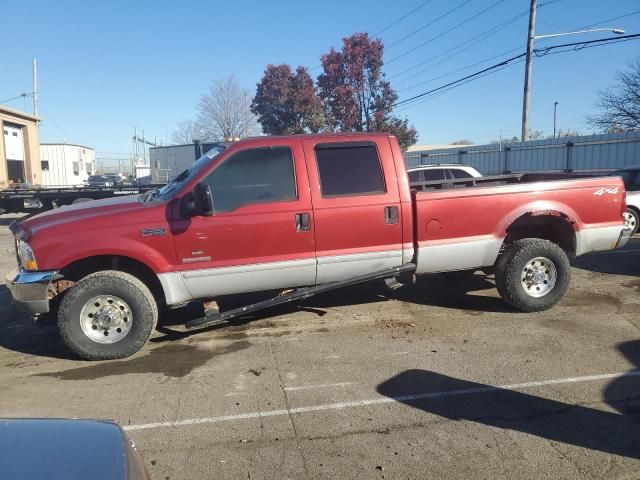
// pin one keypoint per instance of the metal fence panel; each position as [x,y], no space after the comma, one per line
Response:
[579,153]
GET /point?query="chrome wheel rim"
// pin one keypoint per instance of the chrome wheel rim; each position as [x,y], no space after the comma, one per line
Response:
[629,221]
[106,319]
[538,277]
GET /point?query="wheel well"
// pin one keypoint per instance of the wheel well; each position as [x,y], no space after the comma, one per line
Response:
[81,268]
[555,228]
[634,208]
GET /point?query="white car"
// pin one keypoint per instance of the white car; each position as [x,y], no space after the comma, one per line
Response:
[631,178]
[441,171]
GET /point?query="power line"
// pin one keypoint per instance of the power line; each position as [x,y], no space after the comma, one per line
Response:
[458,25]
[612,19]
[478,38]
[471,42]
[384,29]
[447,13]
[22,95]
[458,70]
[541,52]
[442,92]
[395,22]
[504,63]
[551,2]
[475,74]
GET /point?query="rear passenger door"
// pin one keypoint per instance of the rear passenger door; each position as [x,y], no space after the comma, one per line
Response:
[356,207]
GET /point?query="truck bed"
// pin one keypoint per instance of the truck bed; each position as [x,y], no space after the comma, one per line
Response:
[463,223]
[494,180]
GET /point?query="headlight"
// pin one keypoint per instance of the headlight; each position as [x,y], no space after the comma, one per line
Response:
[26,256]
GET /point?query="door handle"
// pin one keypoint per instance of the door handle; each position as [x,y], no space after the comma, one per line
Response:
[303,222]
[391,216]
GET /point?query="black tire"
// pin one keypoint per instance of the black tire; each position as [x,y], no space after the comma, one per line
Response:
[510,268]
[143,310]
[635,220]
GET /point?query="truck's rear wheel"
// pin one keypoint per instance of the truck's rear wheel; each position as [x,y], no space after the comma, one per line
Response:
[107,315]
[533,274]
[632,220]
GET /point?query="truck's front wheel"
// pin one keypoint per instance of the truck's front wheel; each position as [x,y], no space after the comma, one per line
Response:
[107,315]
[533,274]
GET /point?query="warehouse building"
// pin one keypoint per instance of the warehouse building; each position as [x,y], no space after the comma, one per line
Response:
[19,148]
[65,164]
[168,162]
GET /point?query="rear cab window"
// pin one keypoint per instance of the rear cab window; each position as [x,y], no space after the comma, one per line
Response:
[349,170]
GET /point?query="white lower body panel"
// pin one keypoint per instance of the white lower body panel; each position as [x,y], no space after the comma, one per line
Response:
[214,282]
[341,267]
[596,239]
[460,255]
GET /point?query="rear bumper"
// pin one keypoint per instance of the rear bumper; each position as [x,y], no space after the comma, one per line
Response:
[29,289]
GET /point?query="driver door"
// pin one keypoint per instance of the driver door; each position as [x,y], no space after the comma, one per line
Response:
[261,236]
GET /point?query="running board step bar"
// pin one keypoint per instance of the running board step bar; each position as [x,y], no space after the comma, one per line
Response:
[298,294]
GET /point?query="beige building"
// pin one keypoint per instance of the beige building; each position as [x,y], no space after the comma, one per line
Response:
[19,148]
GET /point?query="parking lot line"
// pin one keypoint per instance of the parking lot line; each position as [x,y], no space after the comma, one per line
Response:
[380,400]
[324,385]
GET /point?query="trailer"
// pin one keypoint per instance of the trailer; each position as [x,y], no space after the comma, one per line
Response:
[35,200]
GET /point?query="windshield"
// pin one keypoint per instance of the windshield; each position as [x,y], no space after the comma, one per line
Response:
[96,178]
[176,184]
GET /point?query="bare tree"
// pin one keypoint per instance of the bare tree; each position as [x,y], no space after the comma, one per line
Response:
[225,111]
[186,132]
[619,105]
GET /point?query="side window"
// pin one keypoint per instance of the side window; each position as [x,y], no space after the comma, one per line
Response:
[259,175]
[457,173]
[433,175]
[44,165]
[349,170]
[414,177]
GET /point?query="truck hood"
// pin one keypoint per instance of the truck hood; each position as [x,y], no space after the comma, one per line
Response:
[94,213]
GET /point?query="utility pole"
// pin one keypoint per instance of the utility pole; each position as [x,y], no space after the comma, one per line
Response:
[35,88]
[555,109]
[527,70]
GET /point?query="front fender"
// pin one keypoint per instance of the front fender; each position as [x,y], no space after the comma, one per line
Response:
[157,253]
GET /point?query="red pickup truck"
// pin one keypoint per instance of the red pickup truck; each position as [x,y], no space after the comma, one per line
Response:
[304,214]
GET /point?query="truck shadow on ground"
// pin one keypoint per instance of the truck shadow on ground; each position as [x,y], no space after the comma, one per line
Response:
[456,399]
[429,290]
[20,334]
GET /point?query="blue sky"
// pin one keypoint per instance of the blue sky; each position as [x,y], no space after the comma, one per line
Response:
[107,67]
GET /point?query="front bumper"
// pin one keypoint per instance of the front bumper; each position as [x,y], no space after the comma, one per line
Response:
[29,289]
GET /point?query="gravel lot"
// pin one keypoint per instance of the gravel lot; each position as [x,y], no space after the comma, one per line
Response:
[437,380]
